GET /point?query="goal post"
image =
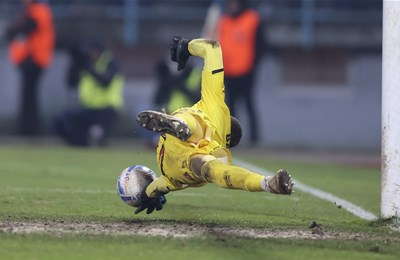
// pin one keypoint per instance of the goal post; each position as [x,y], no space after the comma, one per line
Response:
[390,176]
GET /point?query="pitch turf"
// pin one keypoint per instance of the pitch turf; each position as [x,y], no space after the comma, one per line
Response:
[69,197]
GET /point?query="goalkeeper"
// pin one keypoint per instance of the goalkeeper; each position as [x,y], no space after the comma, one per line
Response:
[193,149]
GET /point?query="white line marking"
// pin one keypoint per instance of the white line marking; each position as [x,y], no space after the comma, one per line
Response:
[350,207]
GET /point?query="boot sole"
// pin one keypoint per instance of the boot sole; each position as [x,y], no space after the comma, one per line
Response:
[163,123]
[285,182]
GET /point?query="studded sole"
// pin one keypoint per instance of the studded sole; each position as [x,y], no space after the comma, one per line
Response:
[163,123]
[285,182]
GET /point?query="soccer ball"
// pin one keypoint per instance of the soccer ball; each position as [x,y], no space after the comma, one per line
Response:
[132,182]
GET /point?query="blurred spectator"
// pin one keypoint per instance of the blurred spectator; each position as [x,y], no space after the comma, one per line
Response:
[174,90]
[241,38]
[100,87]
[77,59]
[31,38]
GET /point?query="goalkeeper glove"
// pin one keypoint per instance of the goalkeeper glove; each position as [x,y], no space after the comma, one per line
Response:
[151,204]
[179,51]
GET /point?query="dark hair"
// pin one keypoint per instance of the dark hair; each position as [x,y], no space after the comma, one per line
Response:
[236,132]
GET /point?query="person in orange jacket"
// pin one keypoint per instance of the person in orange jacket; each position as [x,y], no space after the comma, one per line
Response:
[240,33]
[31,43]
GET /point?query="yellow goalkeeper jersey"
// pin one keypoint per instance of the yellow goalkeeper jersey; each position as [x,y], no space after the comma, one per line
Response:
[173,155]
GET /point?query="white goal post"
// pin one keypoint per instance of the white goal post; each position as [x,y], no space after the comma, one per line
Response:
[390,178]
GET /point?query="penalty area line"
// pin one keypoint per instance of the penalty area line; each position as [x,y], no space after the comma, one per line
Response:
[350,207]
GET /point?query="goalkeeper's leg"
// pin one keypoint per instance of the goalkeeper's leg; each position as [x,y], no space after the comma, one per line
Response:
[186,126]
[234,177]
[182,125]
[210,51]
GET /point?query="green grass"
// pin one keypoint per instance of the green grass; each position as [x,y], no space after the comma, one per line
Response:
[60,183]
[100,247]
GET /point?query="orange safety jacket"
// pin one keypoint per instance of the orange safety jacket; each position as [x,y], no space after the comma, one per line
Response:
[39,44]
[237,36]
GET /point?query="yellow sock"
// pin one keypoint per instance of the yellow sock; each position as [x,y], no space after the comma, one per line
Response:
[232,177]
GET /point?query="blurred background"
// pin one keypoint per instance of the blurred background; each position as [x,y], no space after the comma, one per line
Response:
[317,86]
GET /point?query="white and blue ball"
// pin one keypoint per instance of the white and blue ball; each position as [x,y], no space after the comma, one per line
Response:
[132,182]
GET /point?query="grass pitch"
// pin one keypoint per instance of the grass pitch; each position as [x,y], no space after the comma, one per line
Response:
[57,201]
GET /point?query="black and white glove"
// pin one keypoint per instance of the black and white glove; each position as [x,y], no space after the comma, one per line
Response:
[151,204]
[179,51]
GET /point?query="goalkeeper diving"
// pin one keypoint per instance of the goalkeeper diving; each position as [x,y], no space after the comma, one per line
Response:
[193,149]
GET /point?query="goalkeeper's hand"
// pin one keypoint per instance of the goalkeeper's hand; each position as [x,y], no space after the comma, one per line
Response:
[179,51]
[151,204]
